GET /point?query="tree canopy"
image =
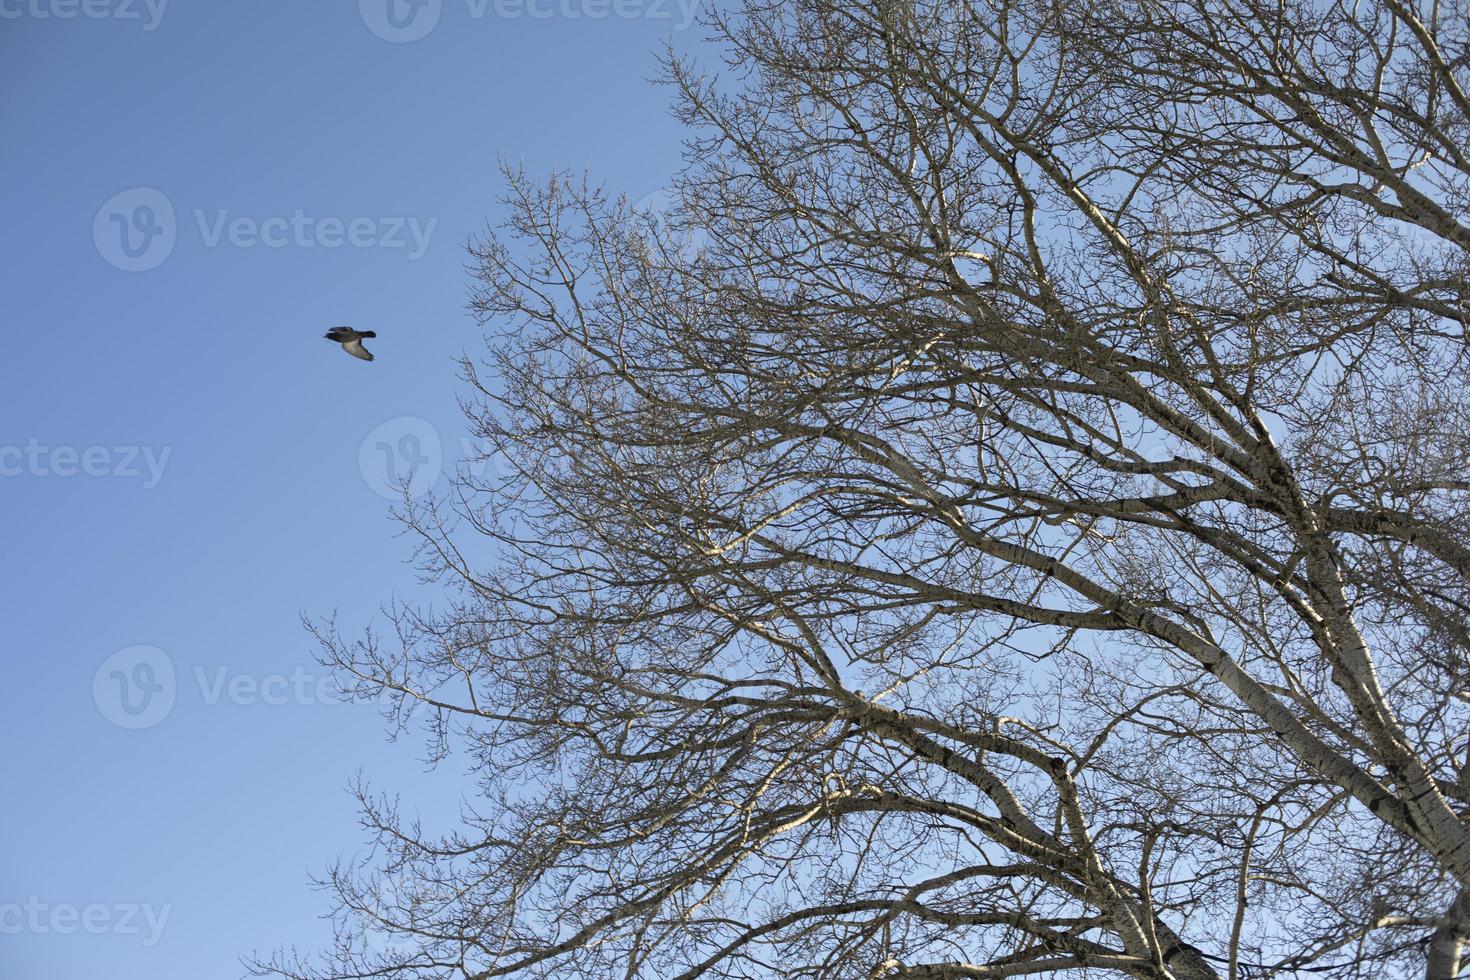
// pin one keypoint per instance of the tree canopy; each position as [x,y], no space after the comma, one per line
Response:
[1009,519]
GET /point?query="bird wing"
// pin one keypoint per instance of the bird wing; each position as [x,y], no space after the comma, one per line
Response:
[355,348]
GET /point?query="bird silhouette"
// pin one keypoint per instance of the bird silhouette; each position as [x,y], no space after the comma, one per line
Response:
[351,341]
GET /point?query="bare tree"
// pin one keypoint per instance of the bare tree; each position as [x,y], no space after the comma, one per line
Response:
[1027,535]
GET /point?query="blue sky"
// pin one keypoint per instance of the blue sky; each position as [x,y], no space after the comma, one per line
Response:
[187,466]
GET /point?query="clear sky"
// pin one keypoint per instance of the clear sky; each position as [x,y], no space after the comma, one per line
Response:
[192,193]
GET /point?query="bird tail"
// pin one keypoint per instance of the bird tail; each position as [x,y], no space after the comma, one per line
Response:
[366,333]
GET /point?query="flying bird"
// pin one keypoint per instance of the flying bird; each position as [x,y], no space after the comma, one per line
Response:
[351,341]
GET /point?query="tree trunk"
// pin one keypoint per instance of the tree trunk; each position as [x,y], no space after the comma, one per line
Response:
[1447,944]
